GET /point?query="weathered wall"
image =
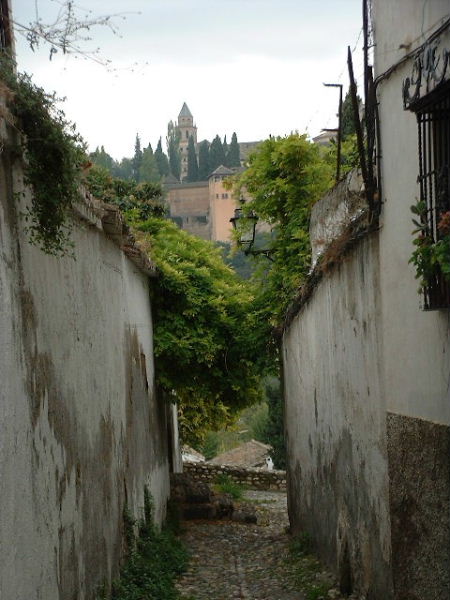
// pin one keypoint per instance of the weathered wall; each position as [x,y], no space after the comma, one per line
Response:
[416,343]
[367,371]
[258,479]
[336,432]
[81,431]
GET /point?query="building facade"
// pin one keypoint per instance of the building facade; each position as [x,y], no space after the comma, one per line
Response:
[366,357]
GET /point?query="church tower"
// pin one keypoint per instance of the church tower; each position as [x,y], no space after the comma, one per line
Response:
[186,128]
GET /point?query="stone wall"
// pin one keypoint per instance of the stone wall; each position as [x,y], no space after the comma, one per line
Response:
[81,429]
[258,479]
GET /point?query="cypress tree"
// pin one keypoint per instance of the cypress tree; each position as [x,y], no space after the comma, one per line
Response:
[162,162]
[348,121]
[216,154]
[149,169]
[233,157]
[203,161]
[192,167]
[137,159]
[225,151]
[173,149]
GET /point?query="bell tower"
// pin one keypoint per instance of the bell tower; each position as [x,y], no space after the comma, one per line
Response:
[187,129]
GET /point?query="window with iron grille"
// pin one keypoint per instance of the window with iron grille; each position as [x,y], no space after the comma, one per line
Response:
[5,32]
[433,118]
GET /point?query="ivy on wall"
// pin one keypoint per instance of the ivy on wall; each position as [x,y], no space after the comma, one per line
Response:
[54,154]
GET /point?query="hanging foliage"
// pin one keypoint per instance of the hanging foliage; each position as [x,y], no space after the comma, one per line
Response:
[285,177]
[209,338]
[53,158]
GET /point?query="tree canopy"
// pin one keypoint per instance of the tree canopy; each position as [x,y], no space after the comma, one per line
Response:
[216,154]
[192,167]
[209,351]
[234,156]
[285,177]
[204,169]
[173,141]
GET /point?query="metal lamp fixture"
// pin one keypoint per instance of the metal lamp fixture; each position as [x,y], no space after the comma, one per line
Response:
[245,225]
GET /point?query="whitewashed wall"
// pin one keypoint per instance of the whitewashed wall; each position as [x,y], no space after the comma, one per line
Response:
[367,373]
[336,431]
[81,431]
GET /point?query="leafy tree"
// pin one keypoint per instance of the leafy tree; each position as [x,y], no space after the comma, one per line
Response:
[162,162]
[243,265]
[285,177]
[192,169]
[137,159]
[204,169]
[149,169]
[173,149]
[216,154]
[208,358]
[233,156]
[145,199]
[101,158]
[124,169]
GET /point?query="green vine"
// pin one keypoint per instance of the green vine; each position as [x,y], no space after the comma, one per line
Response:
[54,154]
[154,559]
[430,256]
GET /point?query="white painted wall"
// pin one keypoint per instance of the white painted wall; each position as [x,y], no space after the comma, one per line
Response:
[416,344]
[337,471]
[81,431]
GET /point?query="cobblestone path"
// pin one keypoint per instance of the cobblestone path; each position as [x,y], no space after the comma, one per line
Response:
[236,560]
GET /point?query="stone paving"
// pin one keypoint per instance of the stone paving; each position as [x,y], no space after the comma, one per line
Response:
[235,560]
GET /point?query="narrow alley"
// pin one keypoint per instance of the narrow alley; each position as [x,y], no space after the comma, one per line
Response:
[231,560]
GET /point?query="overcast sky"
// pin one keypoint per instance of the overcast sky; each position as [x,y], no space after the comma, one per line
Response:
[251,66]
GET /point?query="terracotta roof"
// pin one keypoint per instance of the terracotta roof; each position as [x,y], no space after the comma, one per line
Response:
[250,454]
[185,112]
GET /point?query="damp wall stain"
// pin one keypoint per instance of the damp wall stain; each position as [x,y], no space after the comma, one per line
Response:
[84,426]
[336,432]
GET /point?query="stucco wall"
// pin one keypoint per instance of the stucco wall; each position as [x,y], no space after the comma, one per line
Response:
[337,469]
[222,205]
[81,431]
[415,343]
[367,372]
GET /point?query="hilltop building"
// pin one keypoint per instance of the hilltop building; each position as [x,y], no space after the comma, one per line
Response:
[203,208]
[187,129]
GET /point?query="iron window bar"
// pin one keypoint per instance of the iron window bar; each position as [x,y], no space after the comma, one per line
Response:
[433,119]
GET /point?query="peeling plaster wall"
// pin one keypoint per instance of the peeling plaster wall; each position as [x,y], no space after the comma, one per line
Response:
[81,431]
[336,431]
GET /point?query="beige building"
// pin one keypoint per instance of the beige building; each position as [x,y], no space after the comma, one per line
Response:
[203,208]
[221,205]
[189,207]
